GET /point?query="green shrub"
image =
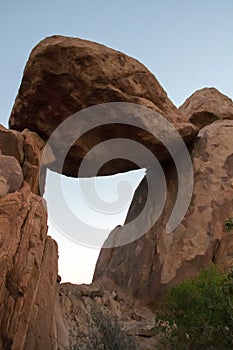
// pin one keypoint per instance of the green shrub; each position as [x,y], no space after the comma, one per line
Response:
[228,225]
[198,314]
[105,333]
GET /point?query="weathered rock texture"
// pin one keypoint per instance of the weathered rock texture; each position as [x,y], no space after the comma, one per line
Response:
[73,313]
[11,144]
[34,172]
[205,106]
[148,266]
[11,171]
[40,333]
[65,75]
[20,154]
[24,248]
[28,257]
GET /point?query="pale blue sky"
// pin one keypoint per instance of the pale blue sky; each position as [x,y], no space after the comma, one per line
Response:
[186,44]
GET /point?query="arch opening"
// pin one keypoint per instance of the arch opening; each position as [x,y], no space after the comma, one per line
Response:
[77,257]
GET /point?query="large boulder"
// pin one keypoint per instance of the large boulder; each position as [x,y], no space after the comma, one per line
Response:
[205,106]
[11,172]
[12,144]
[66,75]
[20,159]
[149,265]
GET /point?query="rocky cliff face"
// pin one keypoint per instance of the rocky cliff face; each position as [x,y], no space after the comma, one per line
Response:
[146,267]
[63,76]
[28,257]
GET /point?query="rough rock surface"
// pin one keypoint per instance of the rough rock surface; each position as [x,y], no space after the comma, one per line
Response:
[40,333]
[205,106]
[65,75]
[11,171]
[146,267]
[25,149]
[11,144]
[34,172]
[73,313]
[23,249]
[4,187]
[11,157]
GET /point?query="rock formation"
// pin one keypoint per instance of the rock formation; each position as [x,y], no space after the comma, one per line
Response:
[146,267]
[205,106]
[28,257]
[11,172]
[24,248]
[73,313]
[63,76]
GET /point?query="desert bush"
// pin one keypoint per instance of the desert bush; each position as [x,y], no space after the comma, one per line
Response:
[198,314]
[105,333]
[228,225]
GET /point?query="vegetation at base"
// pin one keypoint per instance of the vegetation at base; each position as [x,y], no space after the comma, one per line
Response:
[228,225]
[105,333]
[198,314]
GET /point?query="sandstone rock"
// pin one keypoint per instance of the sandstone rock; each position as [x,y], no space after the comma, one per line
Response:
[34,172]
[24,259]
[4,187]
[58,279]
[11,171]
[90,291]
[205,106]
[11,143]
[65,75]
[73,312]
[40,334]
[27,148]
[146,267]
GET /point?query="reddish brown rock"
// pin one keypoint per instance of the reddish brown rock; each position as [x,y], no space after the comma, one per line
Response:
[4,187]
[11,143]
[146,267]
[27,148]
[23,223]
[65,75]
[73,312]
[11,171]
[205,106]
[34,173]
[40,333]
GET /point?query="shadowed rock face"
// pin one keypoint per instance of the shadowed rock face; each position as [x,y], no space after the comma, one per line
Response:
[20,160]
[28,257]
[149,265]
[11,171]
[205,106]
[65,75]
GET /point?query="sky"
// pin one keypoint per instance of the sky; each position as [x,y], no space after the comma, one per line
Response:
[186,44]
